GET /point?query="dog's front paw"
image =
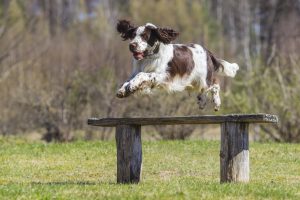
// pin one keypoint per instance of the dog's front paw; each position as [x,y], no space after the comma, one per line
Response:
[120,94]
[124,91]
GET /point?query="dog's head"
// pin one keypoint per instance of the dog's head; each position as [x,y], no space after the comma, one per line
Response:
[145,39]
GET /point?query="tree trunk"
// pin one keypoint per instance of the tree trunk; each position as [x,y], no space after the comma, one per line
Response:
[53,16]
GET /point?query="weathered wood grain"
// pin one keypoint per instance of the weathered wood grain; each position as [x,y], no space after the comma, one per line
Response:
[234,154]
[202,119]
[129,153]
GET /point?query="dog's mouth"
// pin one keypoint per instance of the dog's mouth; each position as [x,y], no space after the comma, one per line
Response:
[138,55]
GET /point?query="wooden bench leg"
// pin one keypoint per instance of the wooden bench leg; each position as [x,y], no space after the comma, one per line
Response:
[234,154]
[129,153]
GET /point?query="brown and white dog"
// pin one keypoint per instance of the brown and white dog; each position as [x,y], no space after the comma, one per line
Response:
[172,67]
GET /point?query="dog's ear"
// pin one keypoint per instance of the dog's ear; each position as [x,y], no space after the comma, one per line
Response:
[126,29]
[165,35]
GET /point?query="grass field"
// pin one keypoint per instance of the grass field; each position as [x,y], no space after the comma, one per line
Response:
[171,170]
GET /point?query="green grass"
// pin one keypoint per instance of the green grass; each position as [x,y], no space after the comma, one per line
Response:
[171,170]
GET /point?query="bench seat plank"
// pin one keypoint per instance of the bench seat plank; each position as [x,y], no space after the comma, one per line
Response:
[201,119]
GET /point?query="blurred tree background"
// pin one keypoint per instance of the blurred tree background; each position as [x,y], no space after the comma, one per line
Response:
[61,62]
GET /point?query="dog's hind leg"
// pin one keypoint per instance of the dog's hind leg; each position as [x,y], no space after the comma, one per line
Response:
[215,92]
[202,99]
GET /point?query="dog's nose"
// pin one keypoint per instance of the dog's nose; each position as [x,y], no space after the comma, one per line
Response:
[132,46]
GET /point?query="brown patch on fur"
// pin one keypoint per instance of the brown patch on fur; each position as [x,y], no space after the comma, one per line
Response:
[149,36]
[126,29]
[194,83]
[215,80]
[215,61]
[191,45]
[182,62]
[213,65]
[210,71]
[146,35]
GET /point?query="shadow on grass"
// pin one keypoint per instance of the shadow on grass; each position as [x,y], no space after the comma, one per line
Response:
[73,183]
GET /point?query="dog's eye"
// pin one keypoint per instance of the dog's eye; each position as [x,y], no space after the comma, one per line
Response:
[132,36]
[144,36]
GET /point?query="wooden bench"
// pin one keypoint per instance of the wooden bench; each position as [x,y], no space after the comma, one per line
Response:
[234,153]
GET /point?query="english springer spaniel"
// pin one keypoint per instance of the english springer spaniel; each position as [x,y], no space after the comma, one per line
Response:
[172,67]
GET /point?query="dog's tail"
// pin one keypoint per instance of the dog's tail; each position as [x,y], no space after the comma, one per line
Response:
[223,67]
[227,69]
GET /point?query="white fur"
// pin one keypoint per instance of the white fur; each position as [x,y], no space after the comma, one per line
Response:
[230,69]
[150,24]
